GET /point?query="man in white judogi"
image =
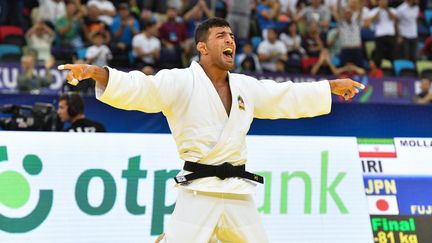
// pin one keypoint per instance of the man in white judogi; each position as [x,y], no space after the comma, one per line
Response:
[209,111]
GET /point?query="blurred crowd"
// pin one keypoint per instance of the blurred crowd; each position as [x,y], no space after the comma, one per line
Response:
[336,37]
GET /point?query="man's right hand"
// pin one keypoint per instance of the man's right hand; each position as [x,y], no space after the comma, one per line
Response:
[78,72]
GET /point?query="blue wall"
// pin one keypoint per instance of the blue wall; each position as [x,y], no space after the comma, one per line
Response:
[361,120]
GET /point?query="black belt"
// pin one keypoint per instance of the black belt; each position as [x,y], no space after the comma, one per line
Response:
[222,171]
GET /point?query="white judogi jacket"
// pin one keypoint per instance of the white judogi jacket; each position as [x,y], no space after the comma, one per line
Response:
[198,120]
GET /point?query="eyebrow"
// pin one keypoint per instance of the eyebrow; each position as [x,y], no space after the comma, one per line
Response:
[225,32]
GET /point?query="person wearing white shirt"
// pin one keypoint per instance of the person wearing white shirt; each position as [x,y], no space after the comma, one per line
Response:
[40,38]
[349,33]
[239,17]
[288,7]
[106,9]
[209,111]
[316,12]
[272,52]
[384,19]
[292,41]
[98,54]
[247,60]
[407,14]
[146,45]
[51,10]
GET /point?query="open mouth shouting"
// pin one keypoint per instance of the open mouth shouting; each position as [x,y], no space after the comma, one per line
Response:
[228,53]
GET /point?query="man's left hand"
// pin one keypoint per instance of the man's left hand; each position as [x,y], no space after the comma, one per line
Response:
[346,87]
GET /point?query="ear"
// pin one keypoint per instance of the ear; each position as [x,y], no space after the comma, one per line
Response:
[202,48]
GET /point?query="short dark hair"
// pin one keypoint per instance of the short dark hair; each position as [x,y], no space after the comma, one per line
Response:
[75,103]
[147,24]
[201,32]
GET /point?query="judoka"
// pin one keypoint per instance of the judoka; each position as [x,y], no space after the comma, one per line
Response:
[209,111]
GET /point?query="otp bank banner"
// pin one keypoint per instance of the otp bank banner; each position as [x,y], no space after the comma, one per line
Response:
[64,187]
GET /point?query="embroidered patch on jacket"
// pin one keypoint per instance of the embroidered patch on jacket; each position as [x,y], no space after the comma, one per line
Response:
[241,103]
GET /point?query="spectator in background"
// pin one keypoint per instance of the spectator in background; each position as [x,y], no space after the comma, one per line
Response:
[332,5]
[71,110]
[157,6]
[123,28]
[239,18]
[359,7]
[105,8]
[272,52]
[173,35]
[146,45]
[93,25]
[374,71]
[146,15]
[28,80]
[135,8]
[220,9]
[68,27]
[292,41]
[195,16]
[312,41]
[40,38]
[333,42]
[349,29]
[50,11]
[316,12]
[425,95]
[288,8]
[427,48]
[407,14]
[98,54]
[325,66]
[266,12]
[349,70]
[248,61]
[384,19]
[185,5]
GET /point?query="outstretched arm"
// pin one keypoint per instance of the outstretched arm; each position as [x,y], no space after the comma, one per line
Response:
[128,90]
[296,100]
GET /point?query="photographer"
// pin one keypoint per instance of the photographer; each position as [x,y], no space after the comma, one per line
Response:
[71,109]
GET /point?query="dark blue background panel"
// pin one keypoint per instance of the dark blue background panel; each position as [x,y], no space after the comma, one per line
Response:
[362,120]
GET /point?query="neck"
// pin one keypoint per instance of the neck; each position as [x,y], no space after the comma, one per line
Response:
[215,74]
[77,117]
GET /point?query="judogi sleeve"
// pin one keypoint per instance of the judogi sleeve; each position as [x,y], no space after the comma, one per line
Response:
[136,91]
[274,100]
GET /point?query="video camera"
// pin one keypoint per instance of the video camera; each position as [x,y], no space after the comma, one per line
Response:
[40,117]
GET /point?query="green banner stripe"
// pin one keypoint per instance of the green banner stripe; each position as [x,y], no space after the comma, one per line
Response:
[375,140]
[3,153]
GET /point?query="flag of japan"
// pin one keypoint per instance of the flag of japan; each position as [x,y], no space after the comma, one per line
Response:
[383,205]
